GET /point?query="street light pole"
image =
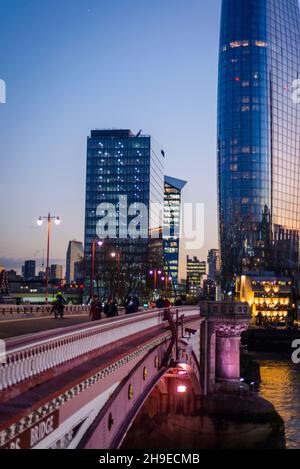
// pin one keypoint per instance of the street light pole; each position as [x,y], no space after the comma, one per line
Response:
[48,256]
[118,256]
[100,244]
[40,221]
[92,268]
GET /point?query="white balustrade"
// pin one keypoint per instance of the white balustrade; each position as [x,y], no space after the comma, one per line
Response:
[8,312]
[35,357]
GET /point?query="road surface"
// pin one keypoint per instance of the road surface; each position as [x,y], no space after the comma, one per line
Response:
[18,327]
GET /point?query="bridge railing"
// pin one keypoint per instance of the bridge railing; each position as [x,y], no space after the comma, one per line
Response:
[30,311]
[30,356]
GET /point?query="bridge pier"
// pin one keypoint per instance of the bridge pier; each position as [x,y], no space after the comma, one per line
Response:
[228,358]
[226,321]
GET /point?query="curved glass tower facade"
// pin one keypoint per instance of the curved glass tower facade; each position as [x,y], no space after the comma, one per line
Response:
[259,136]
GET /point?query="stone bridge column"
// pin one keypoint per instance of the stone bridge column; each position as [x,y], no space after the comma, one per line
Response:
[228,345]
[225,323]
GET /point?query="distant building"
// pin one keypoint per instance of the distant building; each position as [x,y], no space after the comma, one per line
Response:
[271,298]
[209,290]
[29,270]
[74,255]
[4,287]
[78,272]
[171,223]
[56,272]
[42,275]
[213,263]
[196,269]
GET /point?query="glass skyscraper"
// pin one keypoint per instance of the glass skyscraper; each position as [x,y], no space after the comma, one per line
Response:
[171,223]
[122,164]
[259,136]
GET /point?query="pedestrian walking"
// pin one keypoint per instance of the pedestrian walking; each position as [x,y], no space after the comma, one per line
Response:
[96,309]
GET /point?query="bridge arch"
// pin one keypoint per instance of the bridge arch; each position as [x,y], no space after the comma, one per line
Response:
[111,425]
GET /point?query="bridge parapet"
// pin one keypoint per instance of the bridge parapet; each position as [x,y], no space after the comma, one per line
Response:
[98,371]
[34,311]
[31,356]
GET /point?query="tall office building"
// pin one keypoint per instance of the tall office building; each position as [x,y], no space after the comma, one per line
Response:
[171,224]
[213,262]
[123,170]
[56,272]
[29,269]
[196,270]
[74,255]
[259,136]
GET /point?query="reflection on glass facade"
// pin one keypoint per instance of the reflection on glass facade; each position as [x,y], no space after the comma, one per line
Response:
[259,136]
[120,163]
[171,223]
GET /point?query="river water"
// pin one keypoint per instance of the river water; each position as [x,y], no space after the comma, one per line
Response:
[281,386]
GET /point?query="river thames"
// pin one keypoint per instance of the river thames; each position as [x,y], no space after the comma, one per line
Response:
[280,384]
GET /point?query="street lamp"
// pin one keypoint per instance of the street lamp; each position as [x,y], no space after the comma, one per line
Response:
[154,273]
[99,243]
[117,255]
[40,222]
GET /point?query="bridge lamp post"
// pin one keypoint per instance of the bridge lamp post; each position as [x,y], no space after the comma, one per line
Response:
[40,222]
[95,243]
[117,255]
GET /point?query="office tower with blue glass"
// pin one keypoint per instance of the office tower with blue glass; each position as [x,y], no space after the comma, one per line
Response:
[171,238]
[123,164]
[259,137]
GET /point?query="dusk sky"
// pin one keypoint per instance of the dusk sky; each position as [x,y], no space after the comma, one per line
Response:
[74,65]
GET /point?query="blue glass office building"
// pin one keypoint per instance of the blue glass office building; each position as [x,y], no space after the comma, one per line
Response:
[120,163]
[171,223]
[259,136]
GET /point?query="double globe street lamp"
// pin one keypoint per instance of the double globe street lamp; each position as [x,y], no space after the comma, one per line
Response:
[158,274]
[40,222]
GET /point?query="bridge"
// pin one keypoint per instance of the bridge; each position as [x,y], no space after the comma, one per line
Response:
[82,386]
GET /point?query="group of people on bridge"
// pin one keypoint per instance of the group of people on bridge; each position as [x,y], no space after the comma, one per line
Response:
[131,305]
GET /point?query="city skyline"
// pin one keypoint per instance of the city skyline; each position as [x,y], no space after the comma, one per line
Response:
[62,103]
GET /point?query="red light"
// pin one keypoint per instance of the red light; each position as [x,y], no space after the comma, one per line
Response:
[237,79]
[181,389]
